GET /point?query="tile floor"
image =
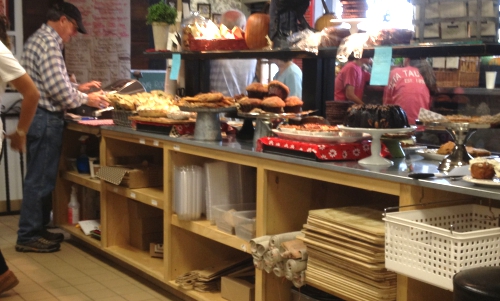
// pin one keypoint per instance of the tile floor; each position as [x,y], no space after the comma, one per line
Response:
[71,274]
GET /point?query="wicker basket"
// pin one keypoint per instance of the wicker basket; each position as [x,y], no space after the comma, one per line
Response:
[467,74]
[120,117]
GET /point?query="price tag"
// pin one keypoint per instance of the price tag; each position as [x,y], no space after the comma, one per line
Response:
[156,142]
[381,66]
[142,141]
[132,195]
[154,202]
[177,147]
[176,66]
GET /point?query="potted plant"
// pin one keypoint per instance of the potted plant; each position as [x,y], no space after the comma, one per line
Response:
[161,16]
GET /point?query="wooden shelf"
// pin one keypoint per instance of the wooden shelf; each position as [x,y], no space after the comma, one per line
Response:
[204,229]
[152,196]
[199,295]
[415,50]
[92,130]
[83,179]
[78,233]
[139,259]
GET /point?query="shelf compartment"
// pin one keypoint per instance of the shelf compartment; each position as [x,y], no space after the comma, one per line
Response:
[92,130]
[83,180]
[78,233]
[203,228]
[214,296]
[139,259]
[151,196]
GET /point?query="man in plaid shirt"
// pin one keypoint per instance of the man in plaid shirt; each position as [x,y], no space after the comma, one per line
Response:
[44,62]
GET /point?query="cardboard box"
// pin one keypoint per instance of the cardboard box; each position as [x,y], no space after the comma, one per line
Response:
[238,289]
[133,176]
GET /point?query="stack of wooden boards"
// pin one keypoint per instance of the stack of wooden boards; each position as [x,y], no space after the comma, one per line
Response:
[346,254]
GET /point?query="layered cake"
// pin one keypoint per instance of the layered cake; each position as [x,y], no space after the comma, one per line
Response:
[376,116]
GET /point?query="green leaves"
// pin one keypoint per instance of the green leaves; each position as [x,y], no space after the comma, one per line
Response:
[161,12]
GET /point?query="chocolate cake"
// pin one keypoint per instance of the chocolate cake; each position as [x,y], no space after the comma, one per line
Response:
[376,116]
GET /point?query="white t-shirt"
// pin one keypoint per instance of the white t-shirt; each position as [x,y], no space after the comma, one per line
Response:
[10,69]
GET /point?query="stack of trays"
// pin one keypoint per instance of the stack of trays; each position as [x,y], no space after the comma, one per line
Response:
[346,254]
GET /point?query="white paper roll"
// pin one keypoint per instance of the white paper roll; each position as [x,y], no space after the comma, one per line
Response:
[276,240]
[296,266]
[254,243]
[289,275]
[258,264]
[262,246]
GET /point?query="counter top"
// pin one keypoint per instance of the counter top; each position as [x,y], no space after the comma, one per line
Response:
[397,173]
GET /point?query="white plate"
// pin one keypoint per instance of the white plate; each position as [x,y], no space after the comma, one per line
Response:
[373,130]
[414,148]
[430,154]
[318,139]
[495,182]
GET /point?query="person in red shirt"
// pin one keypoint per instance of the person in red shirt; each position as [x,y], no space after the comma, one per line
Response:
[407,88]
[351,80]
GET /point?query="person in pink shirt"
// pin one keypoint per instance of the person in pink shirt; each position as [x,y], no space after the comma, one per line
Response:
[351,80]
[407,88]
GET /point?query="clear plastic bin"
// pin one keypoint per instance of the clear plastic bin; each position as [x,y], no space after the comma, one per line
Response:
[244,224]
[224,215]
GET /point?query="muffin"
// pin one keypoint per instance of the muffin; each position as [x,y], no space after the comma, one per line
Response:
[293,104]
[248,104]
[273,104]
[481,168]
[277,88]
[256,90]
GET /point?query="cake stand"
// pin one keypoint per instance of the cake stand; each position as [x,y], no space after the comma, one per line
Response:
[263,126]
[207,126]
[375,158]
[461,132]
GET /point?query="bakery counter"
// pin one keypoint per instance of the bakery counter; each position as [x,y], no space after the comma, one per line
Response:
[349,172]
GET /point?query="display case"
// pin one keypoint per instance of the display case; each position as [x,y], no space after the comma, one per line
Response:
[286,188]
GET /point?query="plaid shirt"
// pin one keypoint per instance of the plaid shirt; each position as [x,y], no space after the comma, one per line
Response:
[43,60]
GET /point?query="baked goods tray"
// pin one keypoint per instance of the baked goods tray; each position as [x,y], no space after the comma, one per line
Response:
[274,115]
[316,151]
[159,120]
[456,125]
[207,110]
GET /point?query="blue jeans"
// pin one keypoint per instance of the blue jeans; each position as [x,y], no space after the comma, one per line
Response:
[44,140]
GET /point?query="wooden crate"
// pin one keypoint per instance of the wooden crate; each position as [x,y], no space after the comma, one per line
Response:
[457,20]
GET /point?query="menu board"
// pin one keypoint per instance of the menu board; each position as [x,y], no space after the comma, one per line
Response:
[102,54]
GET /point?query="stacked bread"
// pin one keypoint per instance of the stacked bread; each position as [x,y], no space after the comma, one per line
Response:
[354,9]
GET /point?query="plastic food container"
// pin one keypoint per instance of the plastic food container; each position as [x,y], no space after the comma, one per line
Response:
[224,215]
[244,224]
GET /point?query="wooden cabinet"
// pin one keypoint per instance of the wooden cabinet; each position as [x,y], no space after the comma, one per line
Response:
[286,189]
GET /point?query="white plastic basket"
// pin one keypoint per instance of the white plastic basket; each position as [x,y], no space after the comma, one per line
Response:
[432,245]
